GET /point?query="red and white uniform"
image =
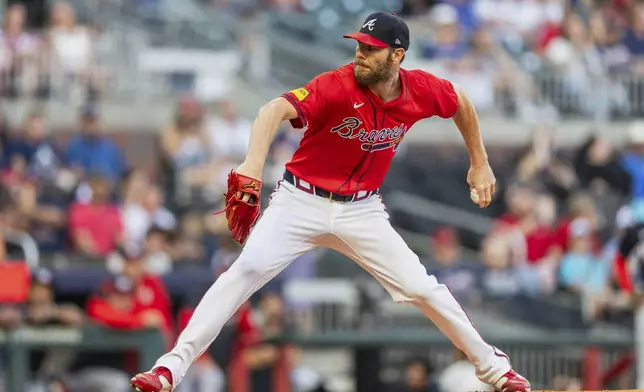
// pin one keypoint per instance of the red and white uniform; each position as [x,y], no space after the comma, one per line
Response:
[350,139]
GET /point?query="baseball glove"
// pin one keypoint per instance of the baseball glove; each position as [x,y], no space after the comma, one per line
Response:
[242,215]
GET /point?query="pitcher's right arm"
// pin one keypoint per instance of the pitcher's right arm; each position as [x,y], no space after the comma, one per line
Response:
[301,106]
[263,132]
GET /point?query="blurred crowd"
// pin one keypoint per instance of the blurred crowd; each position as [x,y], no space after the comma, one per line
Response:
[78,196]
[76,193]
[47,54]
[564,214]
[538,58]
[238,361]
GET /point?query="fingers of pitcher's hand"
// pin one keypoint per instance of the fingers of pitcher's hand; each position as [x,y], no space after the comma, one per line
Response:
[484,195]
[488,195]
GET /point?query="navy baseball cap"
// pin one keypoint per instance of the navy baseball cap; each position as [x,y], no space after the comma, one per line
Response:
[382,30]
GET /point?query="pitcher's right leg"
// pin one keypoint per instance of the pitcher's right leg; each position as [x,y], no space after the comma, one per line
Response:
[281,234]
[365,235]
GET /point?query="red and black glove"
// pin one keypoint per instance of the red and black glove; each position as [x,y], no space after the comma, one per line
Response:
[242,215]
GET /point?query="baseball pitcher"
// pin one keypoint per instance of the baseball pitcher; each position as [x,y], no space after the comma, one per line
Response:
[355,118]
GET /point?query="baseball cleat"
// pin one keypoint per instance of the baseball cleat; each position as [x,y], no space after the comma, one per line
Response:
[512,382]
[156,380]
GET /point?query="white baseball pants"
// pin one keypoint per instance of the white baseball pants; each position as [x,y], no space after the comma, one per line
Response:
[296,221]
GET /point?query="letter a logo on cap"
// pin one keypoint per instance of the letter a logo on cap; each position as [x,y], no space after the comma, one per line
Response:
[371,24]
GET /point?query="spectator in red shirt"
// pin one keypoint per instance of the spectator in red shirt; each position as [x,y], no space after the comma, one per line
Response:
[527,227]
[150,292]
[114,305]
[520,201]
[95,227]
[538,230]
[528,218]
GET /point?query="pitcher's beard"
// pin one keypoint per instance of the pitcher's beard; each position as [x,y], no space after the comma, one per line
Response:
[372,77]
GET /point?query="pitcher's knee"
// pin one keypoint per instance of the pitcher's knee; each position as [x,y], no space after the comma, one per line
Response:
[255,265]
[417,288]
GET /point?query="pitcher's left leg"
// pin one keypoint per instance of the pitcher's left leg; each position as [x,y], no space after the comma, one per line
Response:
[365,235]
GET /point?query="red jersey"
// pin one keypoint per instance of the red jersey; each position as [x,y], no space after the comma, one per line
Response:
[148,294]
[352,135]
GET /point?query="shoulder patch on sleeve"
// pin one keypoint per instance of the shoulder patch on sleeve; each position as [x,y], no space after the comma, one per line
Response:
[300,93]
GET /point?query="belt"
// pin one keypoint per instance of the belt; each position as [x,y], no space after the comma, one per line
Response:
[314,190]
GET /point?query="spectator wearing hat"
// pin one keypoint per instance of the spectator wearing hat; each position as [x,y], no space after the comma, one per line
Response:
[148,294]
[41,308]
[114,305]
[92,153]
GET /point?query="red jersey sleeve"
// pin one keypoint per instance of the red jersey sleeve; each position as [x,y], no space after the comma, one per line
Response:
[436,96]
[311,100]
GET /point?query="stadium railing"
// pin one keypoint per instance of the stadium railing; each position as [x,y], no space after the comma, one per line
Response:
[20,342]
[541,356]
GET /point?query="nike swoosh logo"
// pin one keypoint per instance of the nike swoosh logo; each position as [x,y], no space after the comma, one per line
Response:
[356,105]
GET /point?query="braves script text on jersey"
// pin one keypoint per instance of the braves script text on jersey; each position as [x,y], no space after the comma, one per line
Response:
[352,135]
[349,143]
